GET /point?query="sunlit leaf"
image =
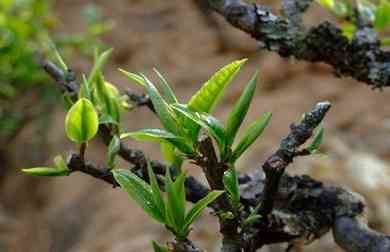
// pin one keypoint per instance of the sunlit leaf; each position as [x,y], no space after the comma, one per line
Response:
[230,181]
[45,171]
[101,60]
[136,78]
[160,135]
[156,193]
[167,91]
[81,123]
[251,134]
[139,191]
[207,97]
[113,149]
[238,113]
[196,210]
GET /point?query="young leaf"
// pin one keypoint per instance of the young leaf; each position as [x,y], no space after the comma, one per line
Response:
[85,89]
[113,149]
[230,181]
[251,218]
[45,171]
[251,134]
[170,155]
[163,110]
[156,193]
[107,97]
[206,121]
[175,207]
[199,206]
[317,140]
[139,191]
[160,135]
[60,169]
[136,78]
[81,123]
[238,113]
[167,91]
[101,60]
[207,97]
[158,248]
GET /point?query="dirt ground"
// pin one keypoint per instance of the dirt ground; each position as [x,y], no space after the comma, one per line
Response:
[78,213]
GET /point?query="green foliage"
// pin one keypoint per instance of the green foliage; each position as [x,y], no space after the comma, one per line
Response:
[60,169]
[374,12]
[113,149]
[317,140]
[170,211]
[182,122]
[158,248]
[251,134]
[230,181]
[81,123]
[25,27]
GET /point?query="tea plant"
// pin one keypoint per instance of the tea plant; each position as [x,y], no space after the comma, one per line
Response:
[189,133]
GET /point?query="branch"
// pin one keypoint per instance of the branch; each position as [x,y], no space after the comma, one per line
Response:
[275,165]
[361,58]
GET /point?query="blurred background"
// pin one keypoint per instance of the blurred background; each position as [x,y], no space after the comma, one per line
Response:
[79,213]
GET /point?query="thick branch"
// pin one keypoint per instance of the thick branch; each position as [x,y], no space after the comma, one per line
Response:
[361,58]
[275,165]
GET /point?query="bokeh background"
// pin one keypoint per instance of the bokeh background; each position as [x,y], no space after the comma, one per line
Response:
[79,213]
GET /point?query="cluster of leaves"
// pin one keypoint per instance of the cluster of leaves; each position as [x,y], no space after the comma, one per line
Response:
[25,26]
[183,122]
[376,13]
[164,198]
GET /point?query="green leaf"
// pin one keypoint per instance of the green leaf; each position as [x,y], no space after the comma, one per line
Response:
[382,15]
[199,206]
[136,78]
[170,155]
[163,110]
[101,60]
[81,123]
[251,218]
[45,171]
[238,113]
[209,94]
[60,59]
[167,91]
[158,248]
[317,140]
[252,133]
[107,97]
[175,207]
[160,135]
[206,121]
[139,191]
[327,3]
[60,169]
[85,89]
[113,149]
[230,181]
[156,193]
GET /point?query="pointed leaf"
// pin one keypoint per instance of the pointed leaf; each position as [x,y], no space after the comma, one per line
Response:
[107,97]
[159,248]
[199,206]
[230,181]
[209,94]
[175,210]
[157,197]
[206,121]
[167,91]
[317,140]
[160,135]
[252,133]
[170,155]
[113,149]
[163,110]
[46,171]
[139,191]
[101,60]
[136,78]
[81,123]
[238,113]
